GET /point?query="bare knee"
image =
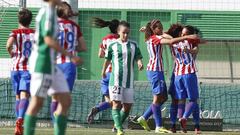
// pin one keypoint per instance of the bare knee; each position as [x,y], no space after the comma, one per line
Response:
[127,107]
[65,100]
[24,94]
[35,105]
[116,104]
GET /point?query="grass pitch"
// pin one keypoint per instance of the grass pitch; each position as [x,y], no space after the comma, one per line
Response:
[103,131]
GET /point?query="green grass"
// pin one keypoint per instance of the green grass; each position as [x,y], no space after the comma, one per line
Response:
[101,131]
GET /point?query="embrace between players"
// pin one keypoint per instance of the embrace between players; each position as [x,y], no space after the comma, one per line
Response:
[117,81]
[54,75]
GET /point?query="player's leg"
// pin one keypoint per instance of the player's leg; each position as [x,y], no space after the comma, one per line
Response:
[115,93]
[103,105]
[60,91]
[39,86]
[142,120]
[60,115]
[196,118]
[127,100]
[24,92]
[191,84]
[69,71]
[173,114]
[174,104]
[181,95]
[159,100]
[15,79]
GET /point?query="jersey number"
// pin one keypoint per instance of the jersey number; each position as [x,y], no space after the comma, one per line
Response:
[27,48]
[116,90]
[185,60]
[69,39]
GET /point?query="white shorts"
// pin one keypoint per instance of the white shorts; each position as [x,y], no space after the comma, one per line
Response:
[125,95]
[43,85]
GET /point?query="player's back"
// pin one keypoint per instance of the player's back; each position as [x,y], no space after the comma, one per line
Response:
[184,62]
[68,35]
[24,39]
[155,54]
[43,57]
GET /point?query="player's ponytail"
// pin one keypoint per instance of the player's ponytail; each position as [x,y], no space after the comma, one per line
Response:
[148,31]
[100,23]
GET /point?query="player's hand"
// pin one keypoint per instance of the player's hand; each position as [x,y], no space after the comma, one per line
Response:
[140,65]
[77,60]
[142,29]
[186,50]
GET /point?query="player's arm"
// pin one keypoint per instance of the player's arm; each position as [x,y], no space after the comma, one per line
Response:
[81,47]
[140,64]
[52,43]
[193,51]
[9,45]
[165,35]
[178,39]
[101,53]
[138,58]
[105,65]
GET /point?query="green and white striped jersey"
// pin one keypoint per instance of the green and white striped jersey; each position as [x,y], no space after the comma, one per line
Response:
[42,59]
[122,55]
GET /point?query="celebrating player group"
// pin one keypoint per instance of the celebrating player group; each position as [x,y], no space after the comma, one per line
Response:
[45,61]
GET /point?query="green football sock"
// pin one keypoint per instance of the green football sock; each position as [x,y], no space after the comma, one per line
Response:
[117,118]
[29,124]
[60,124]
[123,115]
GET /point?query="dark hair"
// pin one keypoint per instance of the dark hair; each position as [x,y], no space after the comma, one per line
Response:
[25,17]
[46,0]
[175,30]
[62,11]
[150,27]
[125,24]
[191,29]
[100,23]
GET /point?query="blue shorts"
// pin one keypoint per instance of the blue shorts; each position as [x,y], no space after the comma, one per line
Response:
[20,81]
[172,89]
[158,82]
[69,71]
[186,86]
[104,84]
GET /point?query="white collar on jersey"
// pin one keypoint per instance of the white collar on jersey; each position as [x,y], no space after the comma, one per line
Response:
[121,42]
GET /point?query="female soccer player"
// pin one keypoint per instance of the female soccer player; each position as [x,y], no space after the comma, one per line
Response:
[19,46]
[107,40]
[154,41]
[186,83]
[174,31]
[70,39]
[122,55]
[47,78]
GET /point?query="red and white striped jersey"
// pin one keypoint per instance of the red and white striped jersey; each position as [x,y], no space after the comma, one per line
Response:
[184,62]
[68,35]
[155,54]
[22,47]
[106,41]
